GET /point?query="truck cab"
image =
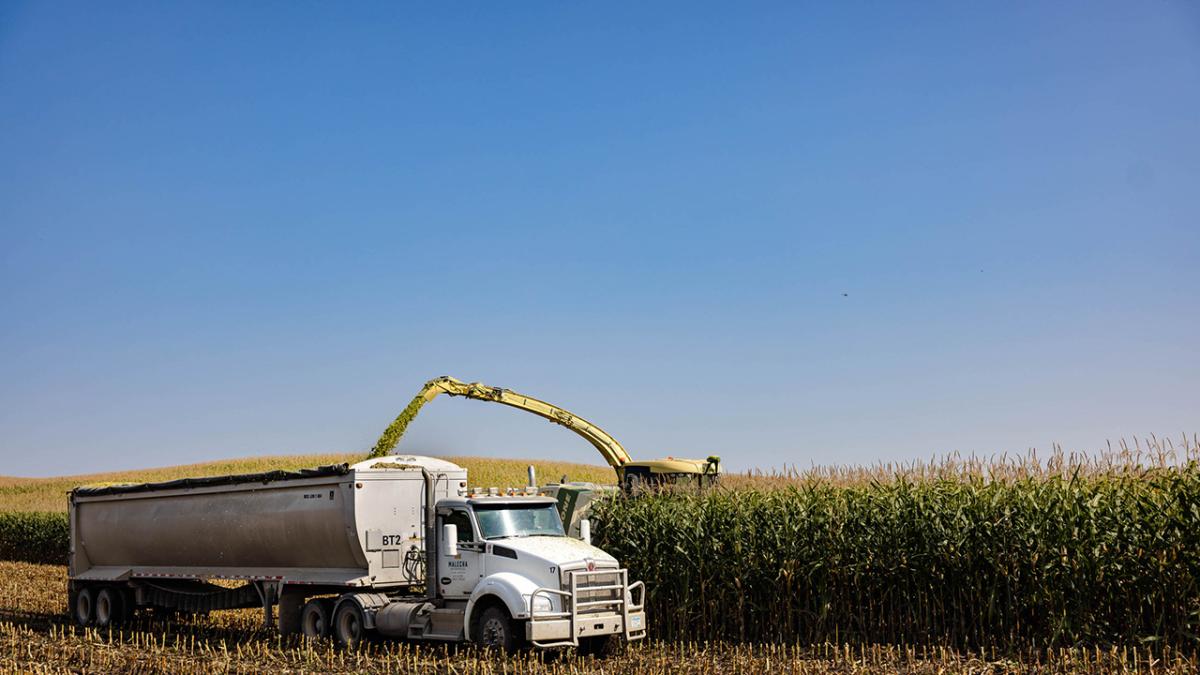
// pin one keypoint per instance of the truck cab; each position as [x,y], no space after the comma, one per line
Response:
[510,553]
[502,573]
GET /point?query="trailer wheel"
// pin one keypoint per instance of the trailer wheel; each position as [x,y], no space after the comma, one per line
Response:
[109,607]
[314,618]
[495,628]
[83,606]
[349,626]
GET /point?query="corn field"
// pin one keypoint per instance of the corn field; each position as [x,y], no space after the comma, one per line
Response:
[1006,554]
[34,537]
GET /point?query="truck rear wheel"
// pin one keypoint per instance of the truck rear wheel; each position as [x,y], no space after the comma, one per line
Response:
[314,618]
[495,628]
[109,607]
[349,626]
[83,606]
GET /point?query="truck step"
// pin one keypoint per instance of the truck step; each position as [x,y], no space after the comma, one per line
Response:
[446,624]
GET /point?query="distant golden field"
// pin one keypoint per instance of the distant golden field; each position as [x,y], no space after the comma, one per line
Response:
[50,494]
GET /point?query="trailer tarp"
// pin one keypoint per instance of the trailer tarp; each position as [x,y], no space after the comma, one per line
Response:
[209,481]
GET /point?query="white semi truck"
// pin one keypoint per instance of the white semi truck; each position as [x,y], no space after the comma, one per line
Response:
[396,546]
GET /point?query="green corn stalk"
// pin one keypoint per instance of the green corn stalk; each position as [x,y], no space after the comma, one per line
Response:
[1034,559]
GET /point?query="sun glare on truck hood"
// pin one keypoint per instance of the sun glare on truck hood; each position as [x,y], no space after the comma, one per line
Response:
[556,550]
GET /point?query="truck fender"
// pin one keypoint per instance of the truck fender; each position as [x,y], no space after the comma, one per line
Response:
[509,588]
[368,602]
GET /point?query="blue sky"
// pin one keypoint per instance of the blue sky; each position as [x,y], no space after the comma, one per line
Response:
[782,233]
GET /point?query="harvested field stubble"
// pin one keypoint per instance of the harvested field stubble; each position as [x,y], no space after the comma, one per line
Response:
[35,636]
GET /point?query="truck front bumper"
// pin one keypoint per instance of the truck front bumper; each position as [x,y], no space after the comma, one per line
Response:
[596,602]
[544,632]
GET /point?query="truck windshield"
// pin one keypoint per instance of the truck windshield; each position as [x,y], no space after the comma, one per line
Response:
[513,520]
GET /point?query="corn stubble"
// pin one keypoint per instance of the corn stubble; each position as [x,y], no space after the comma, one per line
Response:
[36,637]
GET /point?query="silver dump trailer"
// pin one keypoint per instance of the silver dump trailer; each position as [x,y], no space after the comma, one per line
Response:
[397,545]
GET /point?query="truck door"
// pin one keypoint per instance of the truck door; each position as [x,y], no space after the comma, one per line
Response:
[458,576]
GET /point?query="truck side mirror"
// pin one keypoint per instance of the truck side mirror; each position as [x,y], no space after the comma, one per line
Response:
[585,531]
[450,536]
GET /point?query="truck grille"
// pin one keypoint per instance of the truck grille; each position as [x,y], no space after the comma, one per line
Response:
[596,592]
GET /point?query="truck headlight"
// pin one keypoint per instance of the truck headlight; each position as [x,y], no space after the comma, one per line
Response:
[541,603]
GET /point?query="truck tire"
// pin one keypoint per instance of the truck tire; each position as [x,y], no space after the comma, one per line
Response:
[349,624]
[315,618]
[496,629]
[109,607]
[83,606]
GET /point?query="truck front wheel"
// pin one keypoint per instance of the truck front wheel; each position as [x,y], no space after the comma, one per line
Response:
[495,628]
[349,626]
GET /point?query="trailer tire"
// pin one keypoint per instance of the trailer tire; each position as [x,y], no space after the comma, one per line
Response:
[496,629]
[349,624]
[83,606]
[315,618]
[109,607]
